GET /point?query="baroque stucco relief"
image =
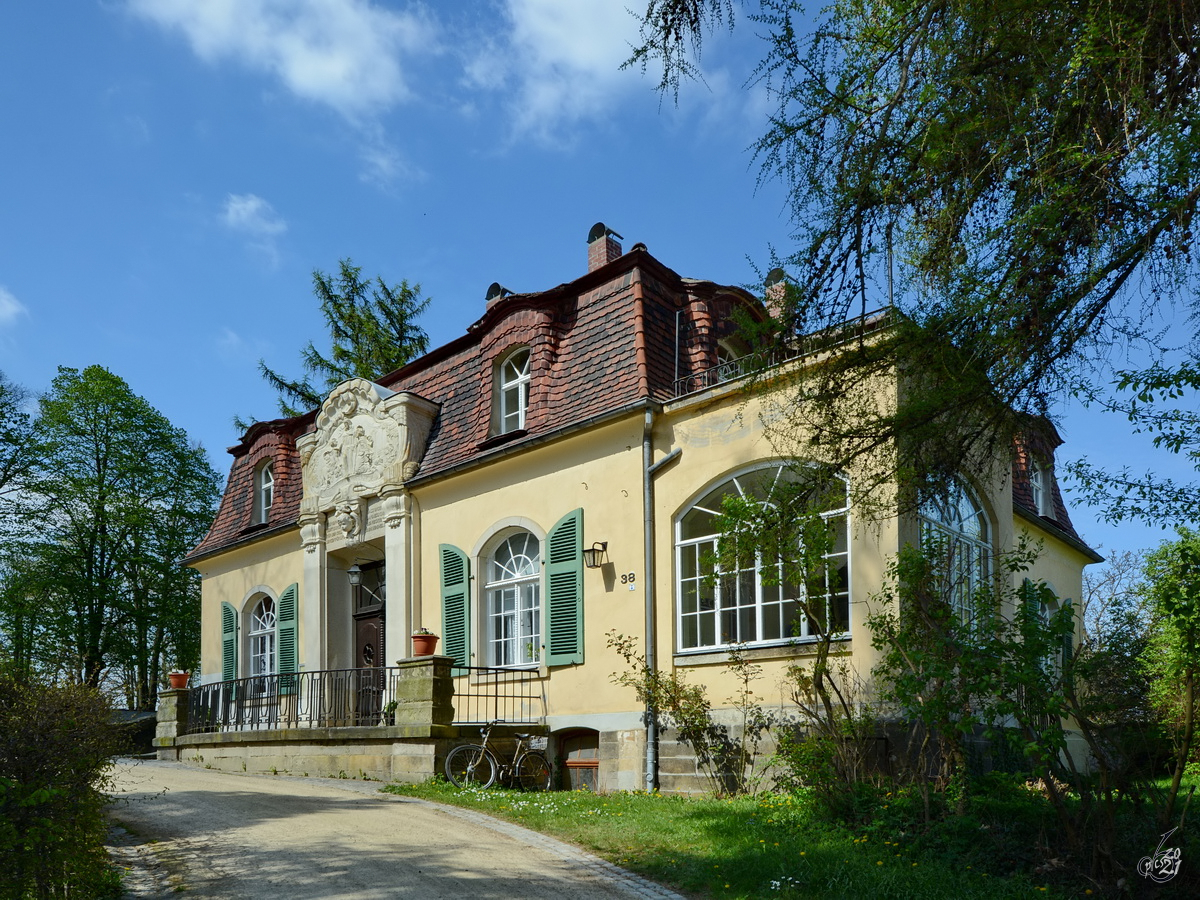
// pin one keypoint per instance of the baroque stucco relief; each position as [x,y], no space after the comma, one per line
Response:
[367,442]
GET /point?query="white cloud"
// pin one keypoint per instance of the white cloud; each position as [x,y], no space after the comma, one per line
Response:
[254,217]
[564,62]
[10,308]
[346,54]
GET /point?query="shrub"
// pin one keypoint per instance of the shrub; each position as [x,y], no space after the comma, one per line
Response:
[55,746]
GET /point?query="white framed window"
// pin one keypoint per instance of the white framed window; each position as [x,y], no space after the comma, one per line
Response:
[512,602]
[264,492]
[513,378]
[955,533]
[262,638]
[1039,487]
[758,603]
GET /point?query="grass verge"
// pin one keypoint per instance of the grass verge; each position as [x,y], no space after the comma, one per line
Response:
[766,846]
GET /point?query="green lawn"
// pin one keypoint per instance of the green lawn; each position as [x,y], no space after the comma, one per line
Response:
[772,846]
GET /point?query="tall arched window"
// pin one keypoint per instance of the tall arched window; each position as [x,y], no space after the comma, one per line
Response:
[264,492]
[956,538]
[513,602]
[262,638]
[514,391]
[759,600]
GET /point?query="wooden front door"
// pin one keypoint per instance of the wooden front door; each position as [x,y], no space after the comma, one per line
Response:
[369,649]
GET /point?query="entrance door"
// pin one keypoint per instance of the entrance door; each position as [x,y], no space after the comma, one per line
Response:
[369,650]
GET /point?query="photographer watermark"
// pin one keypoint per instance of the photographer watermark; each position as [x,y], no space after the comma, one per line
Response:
[1163,865]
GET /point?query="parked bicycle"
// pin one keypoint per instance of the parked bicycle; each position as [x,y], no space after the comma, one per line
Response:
[475,765]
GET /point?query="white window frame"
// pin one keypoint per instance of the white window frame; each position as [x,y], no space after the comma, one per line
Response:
[513,618]
[1039,487]
[262,641]
[962,525]
[512,381]
[701,609]
[264,491]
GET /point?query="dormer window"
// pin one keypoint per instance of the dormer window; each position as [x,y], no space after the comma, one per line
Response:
[1039,487]
[514,391]
[264,492]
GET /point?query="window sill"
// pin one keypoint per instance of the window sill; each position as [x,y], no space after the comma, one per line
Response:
[497,440]
[797,649]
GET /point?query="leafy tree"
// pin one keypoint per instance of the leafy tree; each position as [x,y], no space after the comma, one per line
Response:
[120,496]
[372,329]
[16,446]
[1016,172]
[1173,657]
[1149,399]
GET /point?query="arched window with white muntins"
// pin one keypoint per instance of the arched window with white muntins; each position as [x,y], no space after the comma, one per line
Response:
[956,539]
[513,377]
[512,598]
[262,638]
[758,601]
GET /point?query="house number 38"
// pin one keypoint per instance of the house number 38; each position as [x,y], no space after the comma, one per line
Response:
[628,578]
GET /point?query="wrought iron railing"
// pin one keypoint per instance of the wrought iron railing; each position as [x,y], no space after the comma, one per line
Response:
[485,694]
[346,698]
[337,698]
[763,360]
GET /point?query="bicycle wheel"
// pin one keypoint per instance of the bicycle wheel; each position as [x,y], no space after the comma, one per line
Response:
[533,772]
[471,766]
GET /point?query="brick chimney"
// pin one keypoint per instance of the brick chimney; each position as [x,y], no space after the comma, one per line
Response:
[775,299]
[602,246]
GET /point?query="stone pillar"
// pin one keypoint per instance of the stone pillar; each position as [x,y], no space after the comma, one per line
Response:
[424,692]
[172,721]
[313,601]
[397,555]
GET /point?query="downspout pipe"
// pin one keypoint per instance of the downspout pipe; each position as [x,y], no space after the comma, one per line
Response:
[649,470]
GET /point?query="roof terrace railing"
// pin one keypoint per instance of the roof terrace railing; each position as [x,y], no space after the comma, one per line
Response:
[760,361]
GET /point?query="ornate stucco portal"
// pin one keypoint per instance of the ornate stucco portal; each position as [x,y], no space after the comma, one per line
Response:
[367,443]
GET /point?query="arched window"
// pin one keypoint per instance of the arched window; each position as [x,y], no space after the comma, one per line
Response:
[759,600]
[264,492]
[513,602]
[262,638]
[513,380]
[956,538]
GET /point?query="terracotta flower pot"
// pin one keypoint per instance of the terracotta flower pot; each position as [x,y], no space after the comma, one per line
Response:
[179,680]
[424,644]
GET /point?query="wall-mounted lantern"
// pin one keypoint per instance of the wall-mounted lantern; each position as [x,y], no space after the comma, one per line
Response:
[593,555]
[354,574]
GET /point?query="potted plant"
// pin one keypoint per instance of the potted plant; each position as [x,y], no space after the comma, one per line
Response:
[178,679]
[424,642]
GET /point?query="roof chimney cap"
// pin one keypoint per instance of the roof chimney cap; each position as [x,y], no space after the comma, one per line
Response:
[496,290]
[600,230]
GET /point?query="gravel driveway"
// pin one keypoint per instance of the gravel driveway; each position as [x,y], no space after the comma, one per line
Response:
[245,837]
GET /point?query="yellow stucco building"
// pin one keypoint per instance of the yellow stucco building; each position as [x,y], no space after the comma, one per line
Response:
[546,479]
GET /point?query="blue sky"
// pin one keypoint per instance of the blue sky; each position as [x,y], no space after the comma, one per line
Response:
[172,171]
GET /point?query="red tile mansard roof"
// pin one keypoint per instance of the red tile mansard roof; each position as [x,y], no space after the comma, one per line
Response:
[599,344]
[628,332]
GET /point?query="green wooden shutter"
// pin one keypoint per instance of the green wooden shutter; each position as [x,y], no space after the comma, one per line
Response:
[564,585]
[228,642]
[456,604]
[285,629]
